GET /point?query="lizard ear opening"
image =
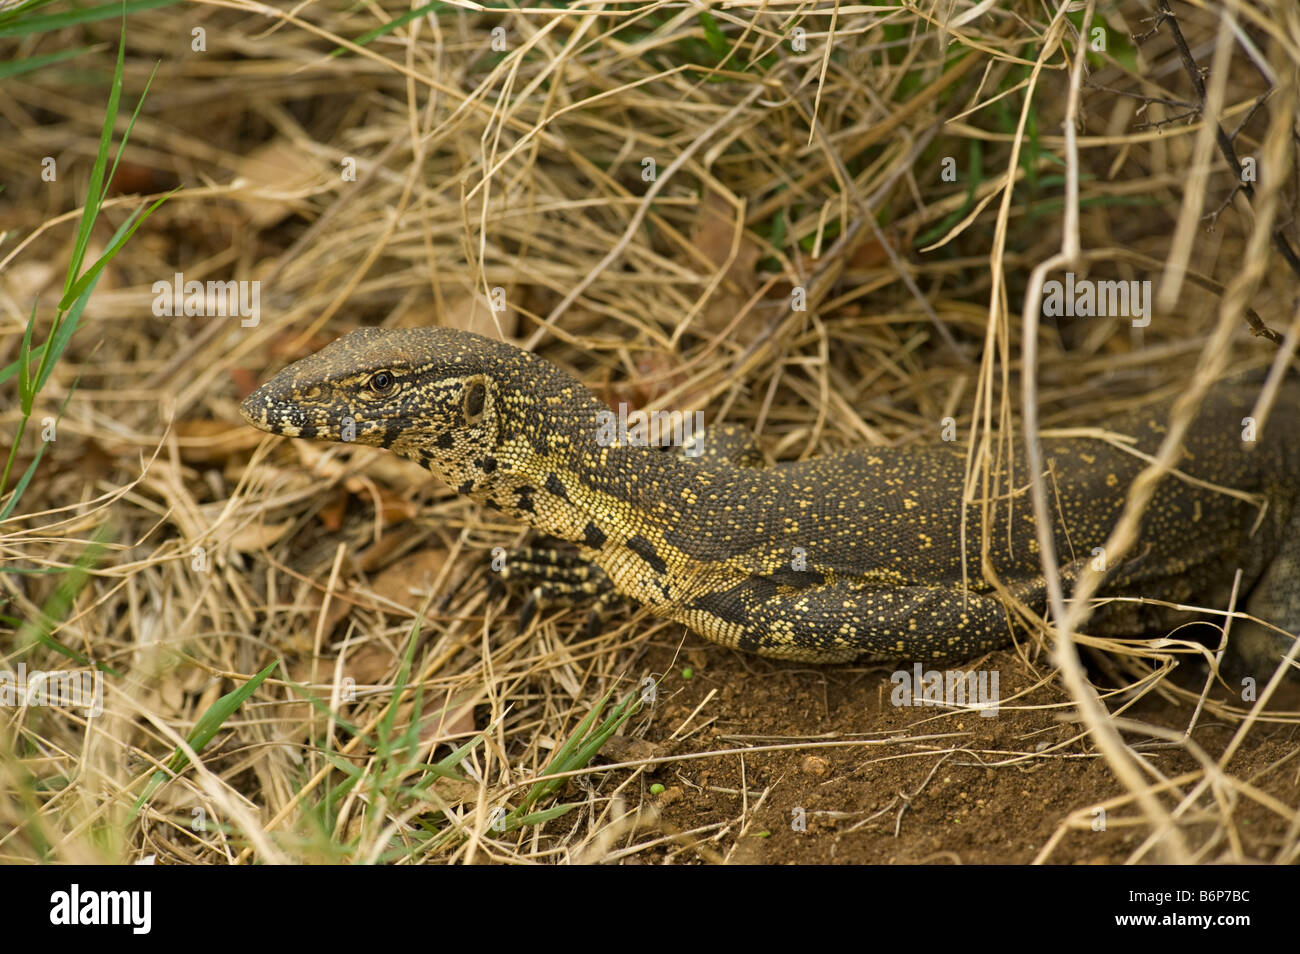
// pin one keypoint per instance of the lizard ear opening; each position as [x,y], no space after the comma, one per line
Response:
[474,398]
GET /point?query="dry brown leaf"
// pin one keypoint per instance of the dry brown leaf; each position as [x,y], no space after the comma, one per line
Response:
[331,514]
[623,748]
[456,721]
[134,179]
[407,581]
[467,310]
[172,694]
[245,381]
[380,469]
[655,376]
[369,665]
[339,609]
[870,253]
[256,537]
[205,440]
[379,554]
[28,281]
[273,178]
[289,346]
[713,236]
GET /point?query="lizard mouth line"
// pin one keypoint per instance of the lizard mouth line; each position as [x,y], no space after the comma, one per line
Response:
[287,419]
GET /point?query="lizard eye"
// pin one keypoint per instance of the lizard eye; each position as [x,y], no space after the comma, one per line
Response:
[381,382]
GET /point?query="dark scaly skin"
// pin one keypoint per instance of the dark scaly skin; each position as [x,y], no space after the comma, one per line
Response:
[826,560]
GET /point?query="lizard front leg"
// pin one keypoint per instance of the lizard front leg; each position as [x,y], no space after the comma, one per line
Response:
[556,576]
[1254,649]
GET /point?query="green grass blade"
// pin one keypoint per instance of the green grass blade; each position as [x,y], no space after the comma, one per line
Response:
[62,334]
[92,273]
[18,67]
[26,478]
[65,328]
[204,731]
[321,706]
[390,26]
[13,23]
[545,815]
[56,608]
[26,393]
[23,10]
[717,40]
[353,772]
[576,753]
[126,135]
[446,766]
[14,367]
[386,724]
[95,191]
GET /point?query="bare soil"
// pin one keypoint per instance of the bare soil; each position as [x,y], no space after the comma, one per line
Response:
[841,775]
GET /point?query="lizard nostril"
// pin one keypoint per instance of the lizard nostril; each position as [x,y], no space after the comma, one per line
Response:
[254,412]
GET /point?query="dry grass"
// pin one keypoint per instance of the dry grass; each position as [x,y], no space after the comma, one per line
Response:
[525,169]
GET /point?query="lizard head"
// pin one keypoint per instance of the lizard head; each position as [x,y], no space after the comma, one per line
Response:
[444,398]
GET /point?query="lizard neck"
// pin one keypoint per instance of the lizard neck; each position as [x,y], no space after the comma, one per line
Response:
[550,454]
[565,480]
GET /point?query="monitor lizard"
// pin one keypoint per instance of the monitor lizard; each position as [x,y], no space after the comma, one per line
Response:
[853,554]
